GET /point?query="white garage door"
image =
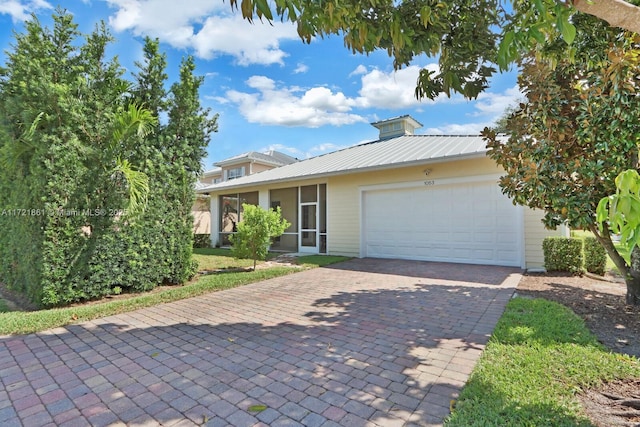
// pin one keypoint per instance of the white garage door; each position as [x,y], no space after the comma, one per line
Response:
[465,223]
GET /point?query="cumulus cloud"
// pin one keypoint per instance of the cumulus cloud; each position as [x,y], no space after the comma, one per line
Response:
[206,26]
[493,104]
[489,107]
[275,104]
[21,10]
[391,90]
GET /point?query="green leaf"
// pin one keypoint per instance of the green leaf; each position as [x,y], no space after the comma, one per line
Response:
[567,29]
[257,408]
[263,9]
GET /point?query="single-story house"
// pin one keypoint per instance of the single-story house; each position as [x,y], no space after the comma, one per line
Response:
[228,169]
[408,196]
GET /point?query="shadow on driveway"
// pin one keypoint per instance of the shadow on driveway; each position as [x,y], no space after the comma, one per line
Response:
[346,345]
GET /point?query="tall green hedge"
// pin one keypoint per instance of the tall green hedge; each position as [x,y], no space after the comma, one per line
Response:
[94,192]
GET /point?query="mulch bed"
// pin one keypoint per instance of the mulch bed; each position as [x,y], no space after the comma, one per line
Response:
[601,303]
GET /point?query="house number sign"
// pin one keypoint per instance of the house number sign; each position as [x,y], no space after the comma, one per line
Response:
[430,182]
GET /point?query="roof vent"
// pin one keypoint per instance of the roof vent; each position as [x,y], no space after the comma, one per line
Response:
[397,126]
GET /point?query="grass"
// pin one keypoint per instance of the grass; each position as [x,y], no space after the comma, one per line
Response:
[311,261]
[217,258]
[539,356]
[17,322]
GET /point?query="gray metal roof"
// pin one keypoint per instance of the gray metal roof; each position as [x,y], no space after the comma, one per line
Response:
[271,157]
[382,154]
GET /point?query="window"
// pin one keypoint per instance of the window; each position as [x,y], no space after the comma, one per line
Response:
[234,173]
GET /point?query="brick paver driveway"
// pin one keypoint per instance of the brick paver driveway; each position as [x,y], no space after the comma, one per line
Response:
[367,342]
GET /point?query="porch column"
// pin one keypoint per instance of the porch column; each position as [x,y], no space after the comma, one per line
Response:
[214,208]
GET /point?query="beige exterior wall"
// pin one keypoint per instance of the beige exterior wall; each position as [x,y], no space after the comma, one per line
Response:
[258,167]
[344,198]
[201,216]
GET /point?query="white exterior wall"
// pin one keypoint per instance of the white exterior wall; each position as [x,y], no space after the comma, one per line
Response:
[535,233]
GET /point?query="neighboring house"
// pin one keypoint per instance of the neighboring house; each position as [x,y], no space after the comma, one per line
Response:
[235,167]
[422,197]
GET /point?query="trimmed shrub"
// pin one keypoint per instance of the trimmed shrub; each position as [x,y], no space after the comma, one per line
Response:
[202,240]
[595,256]
[563,254]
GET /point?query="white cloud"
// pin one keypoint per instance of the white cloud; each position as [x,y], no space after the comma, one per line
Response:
[360,69]
[301,68]
[393,90]
[489,106]
[256,43]
[206,26]
[274,104]
[21,10]
[493,104]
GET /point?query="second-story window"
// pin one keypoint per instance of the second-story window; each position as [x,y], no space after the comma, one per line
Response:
[235,173]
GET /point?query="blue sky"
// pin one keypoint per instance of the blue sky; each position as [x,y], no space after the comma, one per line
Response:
[271,90]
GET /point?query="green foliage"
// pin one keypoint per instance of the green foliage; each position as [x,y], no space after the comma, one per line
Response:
[539,355]
[471,39]
[595,257]
[563,254]
[96,194]
[256,231]
[571,138]
[576,133]
[621,211]
[202,240]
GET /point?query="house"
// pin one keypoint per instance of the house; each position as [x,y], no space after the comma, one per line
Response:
[229,169]
[408,196]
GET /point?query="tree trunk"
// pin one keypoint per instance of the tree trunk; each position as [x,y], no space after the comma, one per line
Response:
[633,278]
[604,238]
[631,273]
[618,13]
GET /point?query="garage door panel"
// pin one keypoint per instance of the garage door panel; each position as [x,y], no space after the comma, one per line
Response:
[467,223]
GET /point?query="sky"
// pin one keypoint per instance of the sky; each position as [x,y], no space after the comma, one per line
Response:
[271,90]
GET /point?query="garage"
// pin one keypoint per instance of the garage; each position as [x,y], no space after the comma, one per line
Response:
[461,222]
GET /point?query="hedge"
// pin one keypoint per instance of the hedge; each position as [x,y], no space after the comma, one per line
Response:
[563,254]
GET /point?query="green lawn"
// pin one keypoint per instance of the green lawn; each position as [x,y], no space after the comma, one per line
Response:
[216,258]
[28,322]
[539,356]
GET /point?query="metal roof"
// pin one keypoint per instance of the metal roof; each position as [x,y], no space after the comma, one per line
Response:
[382,154]
[271,157]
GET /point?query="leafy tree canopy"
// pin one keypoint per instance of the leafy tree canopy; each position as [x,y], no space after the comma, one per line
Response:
[576,132]
[473,38]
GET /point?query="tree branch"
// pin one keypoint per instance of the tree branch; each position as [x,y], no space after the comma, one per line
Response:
[618,13]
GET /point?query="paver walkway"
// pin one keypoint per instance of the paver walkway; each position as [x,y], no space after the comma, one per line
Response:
[365,343]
